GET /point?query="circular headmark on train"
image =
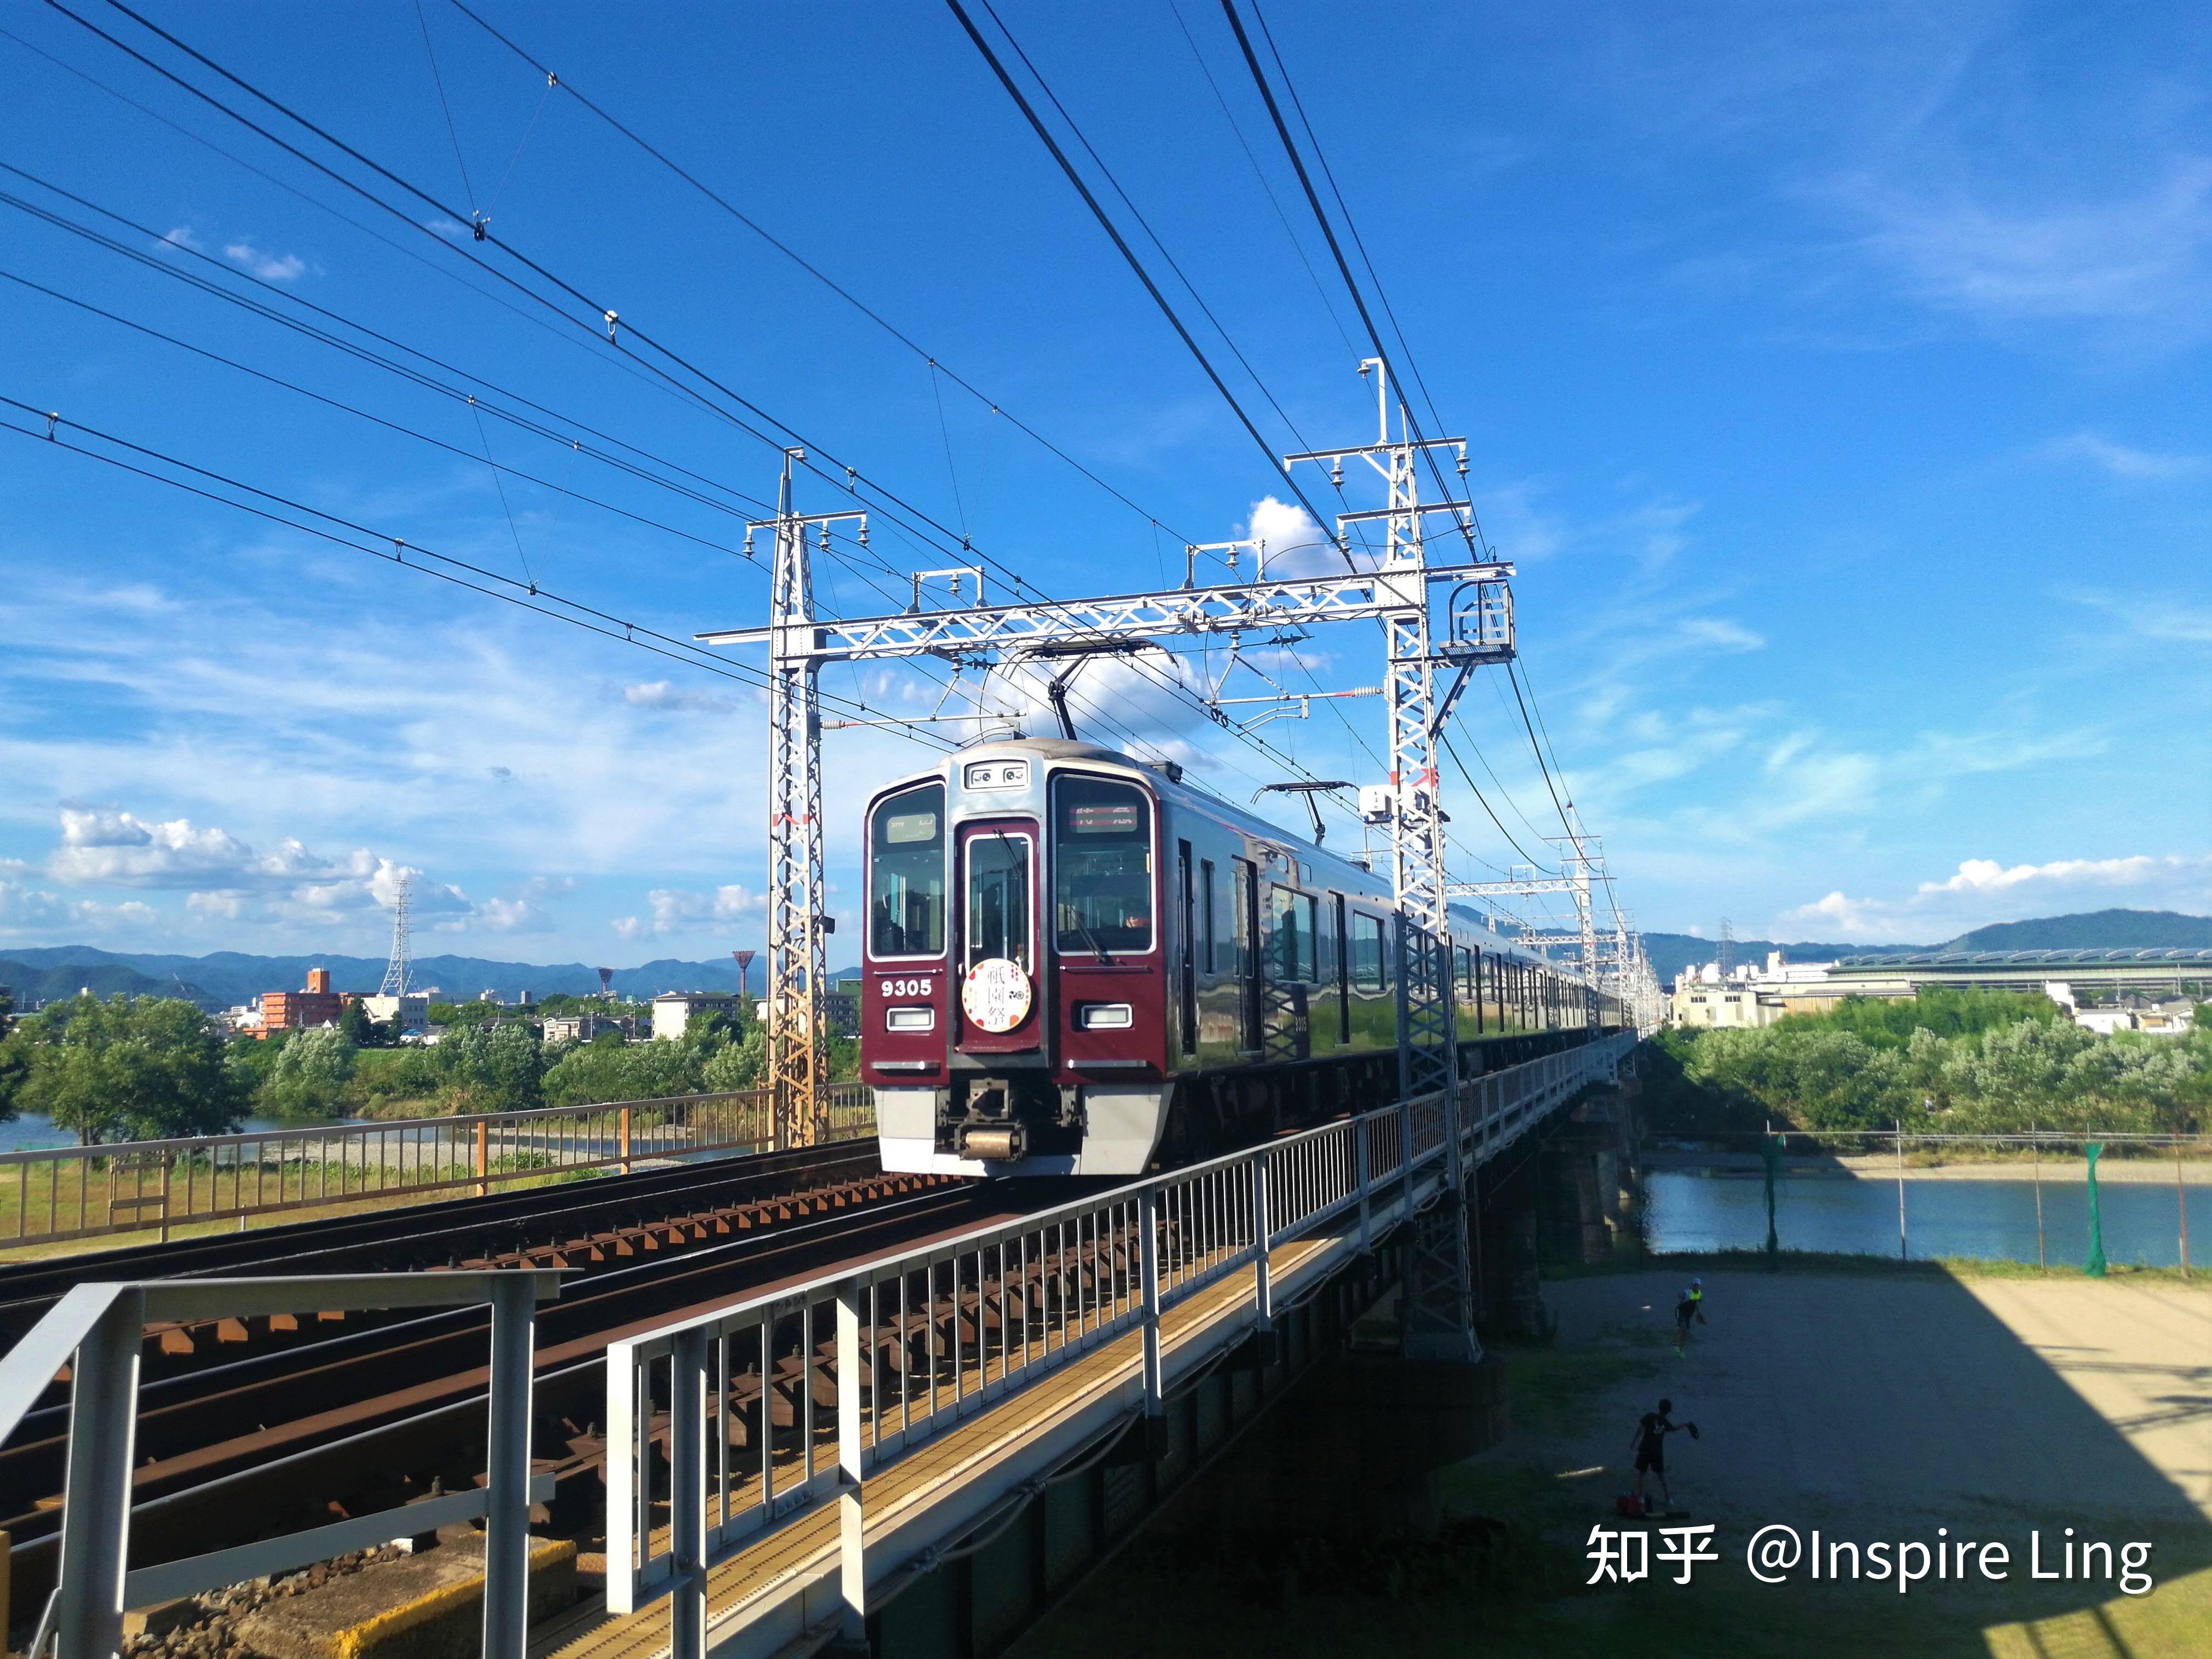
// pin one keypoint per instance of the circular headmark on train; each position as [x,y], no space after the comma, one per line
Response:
[996,994]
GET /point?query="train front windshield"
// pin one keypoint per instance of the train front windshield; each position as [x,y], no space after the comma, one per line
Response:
[1102,866]
[906,874]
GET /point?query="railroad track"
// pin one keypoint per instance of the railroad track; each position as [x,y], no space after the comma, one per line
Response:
[248,1429]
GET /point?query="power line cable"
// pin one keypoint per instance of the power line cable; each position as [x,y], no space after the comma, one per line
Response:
[320,206]
[443,566]
[1114,233]
[852,478]
[565,439]
[1145,225]
[438,81]
[805,265]
[1469,529]
[1453,751]
[1143,276]
[497,468]
[1259,172]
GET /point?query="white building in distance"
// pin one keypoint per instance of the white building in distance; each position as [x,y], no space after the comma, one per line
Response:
[673,1010]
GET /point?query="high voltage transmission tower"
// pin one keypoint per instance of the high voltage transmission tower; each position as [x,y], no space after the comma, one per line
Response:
[1389,586]
[395,971]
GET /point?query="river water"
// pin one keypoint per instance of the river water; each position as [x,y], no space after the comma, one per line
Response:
[1699,1210]
[33,1132]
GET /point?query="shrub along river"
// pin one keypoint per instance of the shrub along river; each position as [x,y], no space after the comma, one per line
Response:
[1946,1216]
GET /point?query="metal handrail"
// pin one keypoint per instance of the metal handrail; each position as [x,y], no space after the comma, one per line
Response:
[149,1186]
[96,1331]
[919,1343]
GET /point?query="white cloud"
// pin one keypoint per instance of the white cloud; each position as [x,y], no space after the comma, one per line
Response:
[663,694]
[1983,890]
[1988,876]
[2122,461]
[270,267]
[1297,546]
[182,237]
[36,912]
[681,910]
[2132,258]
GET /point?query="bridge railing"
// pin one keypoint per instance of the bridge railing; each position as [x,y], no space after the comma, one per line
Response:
[59,1193]
[95,1331]
[769,1405]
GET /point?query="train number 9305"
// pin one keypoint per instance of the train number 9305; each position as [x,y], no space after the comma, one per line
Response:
[908,987]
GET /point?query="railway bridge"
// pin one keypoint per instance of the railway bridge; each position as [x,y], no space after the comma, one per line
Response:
[817,1407]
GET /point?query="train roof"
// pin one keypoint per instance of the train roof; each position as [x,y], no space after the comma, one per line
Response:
[1171,777]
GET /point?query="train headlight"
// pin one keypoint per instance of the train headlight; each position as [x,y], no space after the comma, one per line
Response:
[910,1019]
[1104,1017]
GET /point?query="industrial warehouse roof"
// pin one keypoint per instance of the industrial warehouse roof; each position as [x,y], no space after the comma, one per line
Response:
[2028,959]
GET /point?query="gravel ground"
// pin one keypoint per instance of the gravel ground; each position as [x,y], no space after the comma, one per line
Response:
[208,1629]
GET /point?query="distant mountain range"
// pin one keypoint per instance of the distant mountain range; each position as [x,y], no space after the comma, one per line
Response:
[229,977]
[2091,930]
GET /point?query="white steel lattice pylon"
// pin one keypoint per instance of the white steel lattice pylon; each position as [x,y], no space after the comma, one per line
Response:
[1417,845]
[395,970]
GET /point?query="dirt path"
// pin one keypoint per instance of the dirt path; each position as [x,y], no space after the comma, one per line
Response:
[1863,1395]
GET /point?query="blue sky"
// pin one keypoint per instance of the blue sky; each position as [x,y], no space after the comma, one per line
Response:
[1835,377]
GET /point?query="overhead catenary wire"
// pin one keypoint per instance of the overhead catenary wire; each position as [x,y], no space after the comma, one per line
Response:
[1114,233]
[484,458]
[1260,173]
[875,493]
[458,278]
[1152,288]
[750,223]
[564,439]
[1469,529]
[429,561]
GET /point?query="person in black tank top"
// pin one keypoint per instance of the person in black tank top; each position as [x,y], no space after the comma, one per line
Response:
[1650,1442]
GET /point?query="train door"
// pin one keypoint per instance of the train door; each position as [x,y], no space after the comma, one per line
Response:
[1000,992]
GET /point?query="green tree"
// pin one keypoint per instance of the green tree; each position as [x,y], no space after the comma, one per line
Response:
[360,1029]
[595,1072]
[131,1068]
[492,1068]
[739,1065]
[310,1075]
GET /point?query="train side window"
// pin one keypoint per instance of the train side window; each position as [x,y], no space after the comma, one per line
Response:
[1212,916]
[906,874]
[1102,866]
[1248,961]
[1338,954]
[1366,952]
[1293,946]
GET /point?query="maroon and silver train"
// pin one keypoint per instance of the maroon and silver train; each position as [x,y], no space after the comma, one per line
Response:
[1076,963]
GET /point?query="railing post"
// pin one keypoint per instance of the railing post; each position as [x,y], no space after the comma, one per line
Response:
[96,1495]
[1261,1229]
[1359,1174]
[852,1542]
[622,1138]
[687,1494]
[506,1524]
[625,1460]
[484,1158]
[1148,1269]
